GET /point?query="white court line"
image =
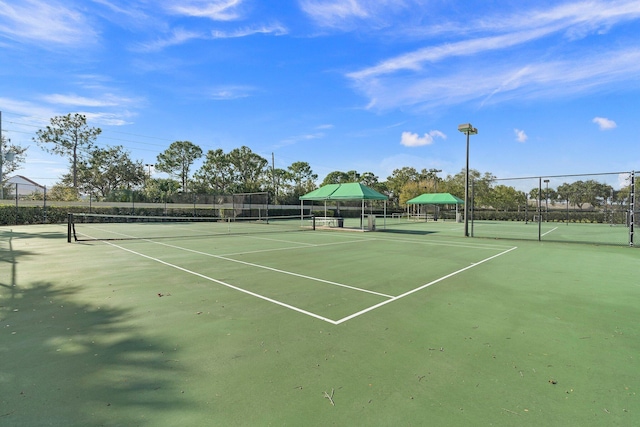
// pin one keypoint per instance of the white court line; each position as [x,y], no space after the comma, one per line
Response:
[253,236]
[466,245]
[373,307]
[553,229]
[308,245]
[299,310]
[253,265]
[290,273]
[220,282]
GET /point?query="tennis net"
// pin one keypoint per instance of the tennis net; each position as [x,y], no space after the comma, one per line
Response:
[86,226]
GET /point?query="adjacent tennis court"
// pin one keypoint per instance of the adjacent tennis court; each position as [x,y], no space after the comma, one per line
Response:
[274,323]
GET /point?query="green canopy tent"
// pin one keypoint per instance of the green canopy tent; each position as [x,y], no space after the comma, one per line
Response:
[437,199]
[348,191]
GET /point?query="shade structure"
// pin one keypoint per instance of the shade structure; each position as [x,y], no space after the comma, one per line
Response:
[347,191]
[436,199]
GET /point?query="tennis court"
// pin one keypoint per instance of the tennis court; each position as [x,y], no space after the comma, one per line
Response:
[278,324]
[605,234]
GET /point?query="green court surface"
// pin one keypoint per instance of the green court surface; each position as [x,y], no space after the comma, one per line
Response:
[412,326]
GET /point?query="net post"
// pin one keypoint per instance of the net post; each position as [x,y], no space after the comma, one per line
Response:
[69,222]
[313,222]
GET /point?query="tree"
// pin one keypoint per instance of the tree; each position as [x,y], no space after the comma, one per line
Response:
[178,159]
[63,193]
[249,170]
[336,177]
[369,179]
[215,174]
[303,178]
[408,191]
[400,177]
[105,170]
[506,198]
[563,191]
[68,136]
[8,167]
[159,190]
[280,183]
[479,186]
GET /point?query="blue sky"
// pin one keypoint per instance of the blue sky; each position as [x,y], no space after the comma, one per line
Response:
[552,86]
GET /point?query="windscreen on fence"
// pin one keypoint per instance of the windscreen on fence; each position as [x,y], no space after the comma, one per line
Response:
[592,208]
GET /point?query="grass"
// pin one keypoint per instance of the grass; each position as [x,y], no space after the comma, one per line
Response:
[141,333]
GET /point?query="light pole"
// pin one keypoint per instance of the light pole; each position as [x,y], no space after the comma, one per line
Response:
[546,201]
[468,130]
[149,165]
[434,173]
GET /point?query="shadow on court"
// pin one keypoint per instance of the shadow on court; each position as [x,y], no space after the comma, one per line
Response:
[410,232]
[68,363]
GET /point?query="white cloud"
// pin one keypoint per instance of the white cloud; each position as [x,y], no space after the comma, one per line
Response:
[348,15]
[224,93]
[299,138]
[75,100]
[217,10]
[410,139]
[487,47]
[332,13]
[177,36]
[604,123]
[44,22]
[521,136]
[495,81]
[275,29]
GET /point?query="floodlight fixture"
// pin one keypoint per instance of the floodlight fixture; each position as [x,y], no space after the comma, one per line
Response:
[467,129]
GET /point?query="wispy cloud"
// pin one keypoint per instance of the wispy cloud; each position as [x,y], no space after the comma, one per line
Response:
[332,13]
[176,37]
[299,138]
[604,123]
[217,10]
[346,15]
[80,101]
[179,36]
[229,92]
[410,139]
[274,29]
[46,23]
[109,119]
[499,60]
[521,136]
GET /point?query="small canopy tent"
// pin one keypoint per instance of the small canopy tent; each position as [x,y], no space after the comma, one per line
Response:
[437,199]
[348,191]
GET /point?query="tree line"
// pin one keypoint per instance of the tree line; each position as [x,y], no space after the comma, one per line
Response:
[109,173]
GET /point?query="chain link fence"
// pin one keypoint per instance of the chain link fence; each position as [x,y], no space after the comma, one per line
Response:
[590,208]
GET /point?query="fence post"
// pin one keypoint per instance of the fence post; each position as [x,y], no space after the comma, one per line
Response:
[632,207]
[17,208]
[539,209]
